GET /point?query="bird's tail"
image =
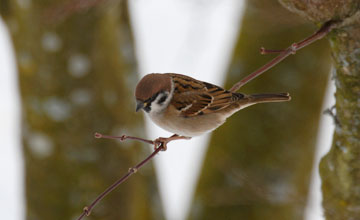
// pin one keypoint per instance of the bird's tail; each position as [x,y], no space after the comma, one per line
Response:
[269,97]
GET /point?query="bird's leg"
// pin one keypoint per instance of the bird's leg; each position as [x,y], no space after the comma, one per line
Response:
[162,142]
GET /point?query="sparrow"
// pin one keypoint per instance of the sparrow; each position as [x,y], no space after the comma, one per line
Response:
[188,107]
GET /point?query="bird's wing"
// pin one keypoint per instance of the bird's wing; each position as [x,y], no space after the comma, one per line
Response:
[193,97]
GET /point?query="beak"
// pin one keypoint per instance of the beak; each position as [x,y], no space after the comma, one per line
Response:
[139,105]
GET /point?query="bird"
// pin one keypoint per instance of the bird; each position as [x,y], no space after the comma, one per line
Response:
[189,107]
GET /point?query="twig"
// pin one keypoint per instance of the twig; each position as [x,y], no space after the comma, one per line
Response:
[267,51]
[159,144]
[87,209]
[332,113]
[123,138]
[323,31]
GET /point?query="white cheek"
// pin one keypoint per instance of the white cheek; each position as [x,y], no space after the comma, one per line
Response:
[156,108]
[159,108]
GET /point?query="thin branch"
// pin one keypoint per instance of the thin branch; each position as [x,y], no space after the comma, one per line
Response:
[159,144]
[123,137]
[87,209]
[266,51]
[332,113]
[323,31]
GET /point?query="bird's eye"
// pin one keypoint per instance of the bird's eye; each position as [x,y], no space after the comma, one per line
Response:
[162,99]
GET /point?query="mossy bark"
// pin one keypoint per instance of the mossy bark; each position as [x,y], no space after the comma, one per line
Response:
[259,162]
[340,167]
[76,76]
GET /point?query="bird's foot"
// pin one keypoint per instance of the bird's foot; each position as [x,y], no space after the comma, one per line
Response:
[162,141]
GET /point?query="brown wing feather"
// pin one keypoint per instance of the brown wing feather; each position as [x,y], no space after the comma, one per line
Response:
[193,97]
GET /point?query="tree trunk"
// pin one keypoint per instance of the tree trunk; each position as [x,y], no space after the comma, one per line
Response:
[259,162]
[76,75]
[340,167]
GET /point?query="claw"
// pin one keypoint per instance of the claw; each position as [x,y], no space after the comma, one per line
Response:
[161,142]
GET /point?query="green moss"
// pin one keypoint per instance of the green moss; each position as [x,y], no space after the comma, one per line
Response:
[340,168]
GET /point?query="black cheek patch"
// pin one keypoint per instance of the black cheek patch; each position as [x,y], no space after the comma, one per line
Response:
[162,99]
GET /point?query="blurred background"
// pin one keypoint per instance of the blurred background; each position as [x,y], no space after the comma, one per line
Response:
[69,69]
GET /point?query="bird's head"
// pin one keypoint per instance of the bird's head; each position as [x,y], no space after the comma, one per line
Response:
[152,93]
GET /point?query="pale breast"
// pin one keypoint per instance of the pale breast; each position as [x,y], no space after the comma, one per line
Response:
[187,126]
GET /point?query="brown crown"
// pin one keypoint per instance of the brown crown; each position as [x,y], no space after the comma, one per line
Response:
[152,84]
